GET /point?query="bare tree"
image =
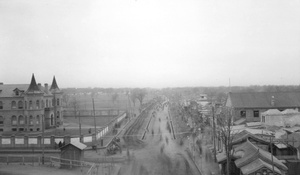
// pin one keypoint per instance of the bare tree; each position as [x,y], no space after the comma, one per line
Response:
[66,99]
[133,97]
[140,95]
[114,97]
[224,122]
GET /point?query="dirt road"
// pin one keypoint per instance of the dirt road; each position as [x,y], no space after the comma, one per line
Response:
[160,154]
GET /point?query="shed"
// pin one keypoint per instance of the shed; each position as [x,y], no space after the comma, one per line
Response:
[71,154]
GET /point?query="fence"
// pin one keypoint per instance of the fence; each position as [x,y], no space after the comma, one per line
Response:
[53,141]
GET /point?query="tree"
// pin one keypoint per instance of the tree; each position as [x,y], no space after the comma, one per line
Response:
[224,122]
[140,95]
[133,97]
[66,99]
[114,97]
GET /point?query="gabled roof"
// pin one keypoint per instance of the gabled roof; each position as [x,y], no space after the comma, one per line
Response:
[252,153]
[33,87]
[256,165]
[245,135]
[263,99]
[78,145]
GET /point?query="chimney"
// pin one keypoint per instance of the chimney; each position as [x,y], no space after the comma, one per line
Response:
[46,88]
[40,86]
[273,101]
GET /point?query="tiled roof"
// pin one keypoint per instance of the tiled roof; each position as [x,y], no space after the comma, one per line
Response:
[263,99]
[7,90]
[252,153]
[78,145]
[256,165]
[244,136]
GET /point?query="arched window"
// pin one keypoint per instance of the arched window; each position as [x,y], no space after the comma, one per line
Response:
[13,104]
[37,119]
[47,103]
[20,105]
[1,105]
[1,120]
[21,120]
[25,104]
[57,114]
[52,120]
[30,120]
[14,120]
[37,104]
[57,102]
[30,104]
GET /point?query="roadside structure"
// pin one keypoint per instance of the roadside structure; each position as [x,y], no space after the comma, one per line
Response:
[248,107]
[25,107]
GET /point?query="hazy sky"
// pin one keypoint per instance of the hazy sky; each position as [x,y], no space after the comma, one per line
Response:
[150,43]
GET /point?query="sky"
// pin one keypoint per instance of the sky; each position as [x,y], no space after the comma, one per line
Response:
[150,43]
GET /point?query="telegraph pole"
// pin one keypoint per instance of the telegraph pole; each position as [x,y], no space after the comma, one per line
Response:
[43,140]
[95,122]
[79,125]
[214,132]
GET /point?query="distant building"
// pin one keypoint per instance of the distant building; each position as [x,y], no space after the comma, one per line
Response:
[248,107]
[24,107]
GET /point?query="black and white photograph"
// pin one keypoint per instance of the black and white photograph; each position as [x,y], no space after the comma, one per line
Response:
[150,87]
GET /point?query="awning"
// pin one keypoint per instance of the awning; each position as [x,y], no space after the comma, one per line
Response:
[280,145]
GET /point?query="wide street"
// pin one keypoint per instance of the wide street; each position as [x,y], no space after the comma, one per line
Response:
[159,154]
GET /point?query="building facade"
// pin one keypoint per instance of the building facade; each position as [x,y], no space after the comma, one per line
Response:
[248,107]
[26,107]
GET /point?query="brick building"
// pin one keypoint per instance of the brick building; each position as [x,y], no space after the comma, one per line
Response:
[248,107]
[24,107]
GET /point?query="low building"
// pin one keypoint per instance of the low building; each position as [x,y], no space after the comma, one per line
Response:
[25,107]
[72,154]
[248,107]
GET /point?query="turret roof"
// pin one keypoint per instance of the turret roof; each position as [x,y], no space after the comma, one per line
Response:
[33,87]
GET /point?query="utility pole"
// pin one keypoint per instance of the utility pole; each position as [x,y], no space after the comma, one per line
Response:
[43,140]
[271,146]
[214,132]
[79,125]
[95,122]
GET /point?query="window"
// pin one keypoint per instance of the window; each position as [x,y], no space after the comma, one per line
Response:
[21,120]
[30,120]
[13,105]
[37,129]
[14,120]
[57,114]
[37,119]
[25,104]
[53,102]
[31,129]
[256,113]
[20,105]
[243,113]
[57,102]
[37,104]
[14,129]
[17,93]
[1,129]
[52,120]
[47,103]
[263,119]
[1,105]
[43,103]
[30,104]
[21,129]
[1,120]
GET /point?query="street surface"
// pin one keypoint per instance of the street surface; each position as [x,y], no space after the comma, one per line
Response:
[159,153]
